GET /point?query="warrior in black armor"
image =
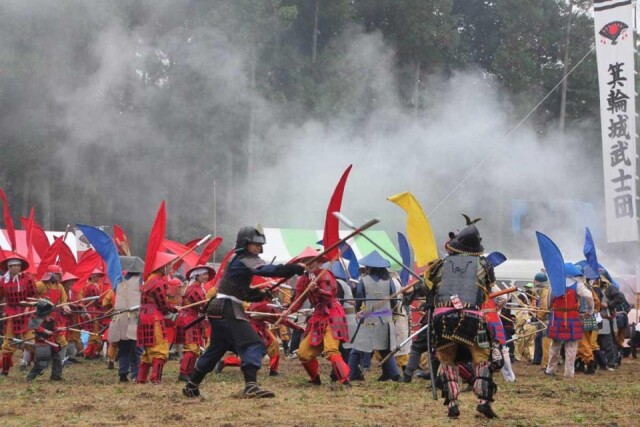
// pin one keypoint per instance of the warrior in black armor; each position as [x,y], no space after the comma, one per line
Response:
[230,328]
[460,283]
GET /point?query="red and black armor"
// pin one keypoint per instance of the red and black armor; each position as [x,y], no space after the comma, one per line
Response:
[327,309]
[15,290]
[153,304]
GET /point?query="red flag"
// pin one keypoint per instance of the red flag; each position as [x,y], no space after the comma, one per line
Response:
[39,238]
[191,259]
[29,230]
[89,261]
[49,258]
[121,240]
[331,223]
[209,250]
[156,236]
[8,222]
[67,261]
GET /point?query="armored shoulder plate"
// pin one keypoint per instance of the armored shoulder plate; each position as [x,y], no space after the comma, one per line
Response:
[251,261]
[460,277]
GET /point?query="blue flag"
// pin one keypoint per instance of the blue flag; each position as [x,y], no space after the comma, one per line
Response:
[405,254]
[590,251]
[496,258]
[103,244]
[348,255]
[553,264]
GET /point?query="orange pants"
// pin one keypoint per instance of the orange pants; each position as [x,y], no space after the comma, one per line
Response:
[112,351]
[546,345]
[8,345]
[330,346]
[158,351]
[585,350]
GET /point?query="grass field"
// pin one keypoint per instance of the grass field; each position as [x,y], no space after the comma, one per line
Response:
[92,396]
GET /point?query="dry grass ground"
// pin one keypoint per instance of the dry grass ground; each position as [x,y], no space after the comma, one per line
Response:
[91,396]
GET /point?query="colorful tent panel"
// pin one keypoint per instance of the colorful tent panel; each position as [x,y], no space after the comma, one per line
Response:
[285,243]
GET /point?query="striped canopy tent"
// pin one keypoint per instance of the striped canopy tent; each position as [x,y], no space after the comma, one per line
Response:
[286,243]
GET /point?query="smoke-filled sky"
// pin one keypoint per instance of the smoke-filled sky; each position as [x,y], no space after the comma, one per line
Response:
[135,102]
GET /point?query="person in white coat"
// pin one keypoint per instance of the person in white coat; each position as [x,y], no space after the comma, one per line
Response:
[124,326]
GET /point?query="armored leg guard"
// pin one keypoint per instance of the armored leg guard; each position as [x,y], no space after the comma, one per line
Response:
[187,364]
[274,362]
[156,370]
[484,386]
[91,352]
[7,363]
[448,376]
[340,369]
[312,369]
[143,373]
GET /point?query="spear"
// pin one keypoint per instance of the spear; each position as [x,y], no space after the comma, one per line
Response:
[27,341]
[525,335]
[40,299]
[204,301]
[78,330]
[124,310]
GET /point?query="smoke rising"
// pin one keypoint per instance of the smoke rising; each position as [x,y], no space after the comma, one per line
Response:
[127,104]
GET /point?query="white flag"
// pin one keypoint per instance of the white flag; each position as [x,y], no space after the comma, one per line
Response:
[615,52]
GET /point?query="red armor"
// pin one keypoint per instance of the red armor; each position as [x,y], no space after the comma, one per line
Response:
[260,324]
[15,291]
[194,293]
[153,298]
[494,323]
[91,290]
[54,294]
[327,309]
[565,319]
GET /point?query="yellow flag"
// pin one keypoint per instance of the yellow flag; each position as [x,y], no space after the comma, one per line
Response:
[418,228]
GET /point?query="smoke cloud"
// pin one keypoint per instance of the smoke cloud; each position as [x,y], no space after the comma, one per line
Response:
[127,104]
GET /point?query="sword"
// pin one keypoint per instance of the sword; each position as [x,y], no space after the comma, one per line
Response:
[399,346]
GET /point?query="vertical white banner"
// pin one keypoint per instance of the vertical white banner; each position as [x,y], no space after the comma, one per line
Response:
[615,53]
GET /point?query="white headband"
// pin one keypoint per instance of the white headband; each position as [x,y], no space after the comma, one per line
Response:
[197,272]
